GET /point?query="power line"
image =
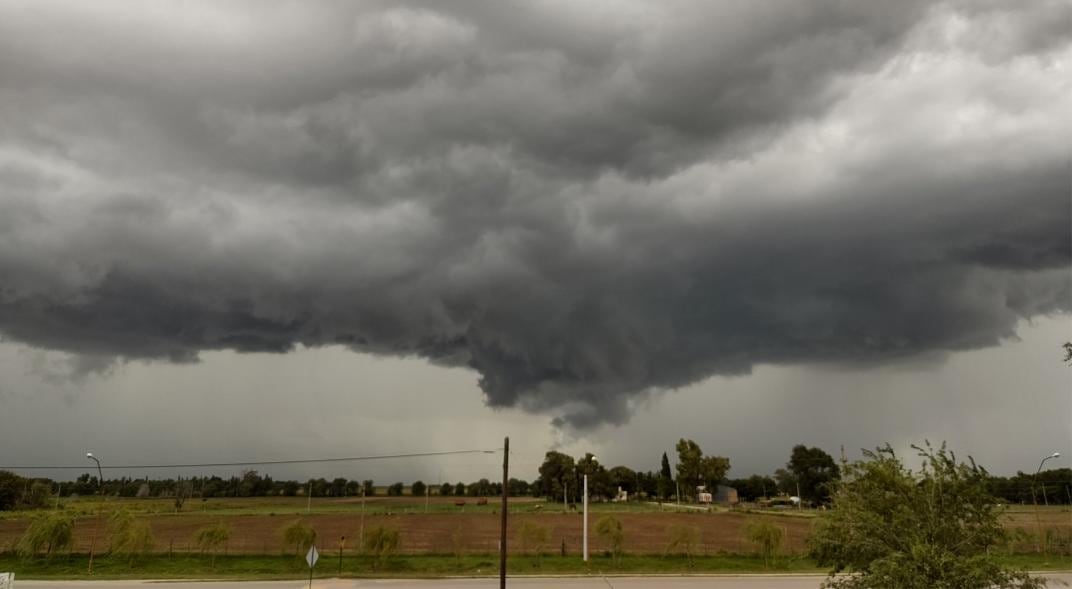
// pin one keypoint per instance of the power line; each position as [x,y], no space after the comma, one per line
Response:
[256,462]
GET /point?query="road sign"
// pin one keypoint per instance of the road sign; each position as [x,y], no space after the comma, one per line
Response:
[312,556]
[7,580]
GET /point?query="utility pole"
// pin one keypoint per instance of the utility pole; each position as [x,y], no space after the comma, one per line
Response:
[585,499]
[309,500]
[502,531]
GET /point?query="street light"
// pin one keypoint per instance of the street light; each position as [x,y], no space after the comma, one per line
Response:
[1034,499]
[100,491]
[100,473]
[1035,478]
[591,460]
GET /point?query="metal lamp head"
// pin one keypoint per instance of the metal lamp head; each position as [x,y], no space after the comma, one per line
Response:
[1055,455]
[89,455]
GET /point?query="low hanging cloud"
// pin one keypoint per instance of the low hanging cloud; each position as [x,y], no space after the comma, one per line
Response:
[583,202]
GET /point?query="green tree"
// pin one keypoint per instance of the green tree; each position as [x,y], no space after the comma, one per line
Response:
[446,489]
[368,488]
[754,487]
[381,543]
[598,478]
[557,473]
[212,538]
[815,470]
[459,490]
[891,527]
[51,532]
[418,489]
[298,534]
[695,469]
[624,477]
[609,529]
[395,490]
[787,481]
[665,485]
[767,537]
[183,490]
[10,488]
[37,495]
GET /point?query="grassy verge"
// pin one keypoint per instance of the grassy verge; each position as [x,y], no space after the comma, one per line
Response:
[289,567]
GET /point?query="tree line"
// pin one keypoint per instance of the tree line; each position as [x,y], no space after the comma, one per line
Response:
[809,474]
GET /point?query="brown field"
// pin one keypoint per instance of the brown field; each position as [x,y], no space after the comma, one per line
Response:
[255,530]
[433,533]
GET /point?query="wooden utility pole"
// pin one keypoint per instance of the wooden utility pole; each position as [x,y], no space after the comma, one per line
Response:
[502,531]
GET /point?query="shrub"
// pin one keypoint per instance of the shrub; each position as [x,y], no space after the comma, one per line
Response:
[532,536]
[131,537]
[51,533]
[212,538]
[457,542]
[609,529]
[381,543]
[299,535]
[683,539]
[767,537]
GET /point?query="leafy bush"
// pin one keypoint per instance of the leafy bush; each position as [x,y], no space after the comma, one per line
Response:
[381,543]
[532,536]
[891,527]
[212,538]
[767,537]
[131,537]
[51,532]
[609,529]
[299,535]
[683,539]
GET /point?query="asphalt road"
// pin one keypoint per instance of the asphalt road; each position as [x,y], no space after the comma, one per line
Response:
[717,582]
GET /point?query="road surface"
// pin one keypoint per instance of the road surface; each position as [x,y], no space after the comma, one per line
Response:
[697,582]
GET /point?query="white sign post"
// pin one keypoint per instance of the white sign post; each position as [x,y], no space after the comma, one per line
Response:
[310,557]
[7,580]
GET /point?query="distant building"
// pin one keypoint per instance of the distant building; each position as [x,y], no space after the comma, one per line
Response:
[725,495]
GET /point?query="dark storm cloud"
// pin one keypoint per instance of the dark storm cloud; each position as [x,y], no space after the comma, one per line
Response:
[584,202]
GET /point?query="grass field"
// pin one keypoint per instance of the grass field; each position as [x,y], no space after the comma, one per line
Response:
[434,565]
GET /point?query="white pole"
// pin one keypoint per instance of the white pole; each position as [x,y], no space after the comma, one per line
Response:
[585,518]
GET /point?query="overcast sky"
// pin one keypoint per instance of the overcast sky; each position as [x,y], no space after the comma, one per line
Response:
[272,230]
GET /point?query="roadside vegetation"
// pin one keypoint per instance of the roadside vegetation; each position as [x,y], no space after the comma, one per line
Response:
[254,527]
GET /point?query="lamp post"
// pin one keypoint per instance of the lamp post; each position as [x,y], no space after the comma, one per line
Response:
[1034,499]
[100,473]
[1035,479]
[100,491]
[585,509]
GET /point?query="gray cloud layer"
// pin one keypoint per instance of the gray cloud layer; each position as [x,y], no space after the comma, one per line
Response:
[584,202]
